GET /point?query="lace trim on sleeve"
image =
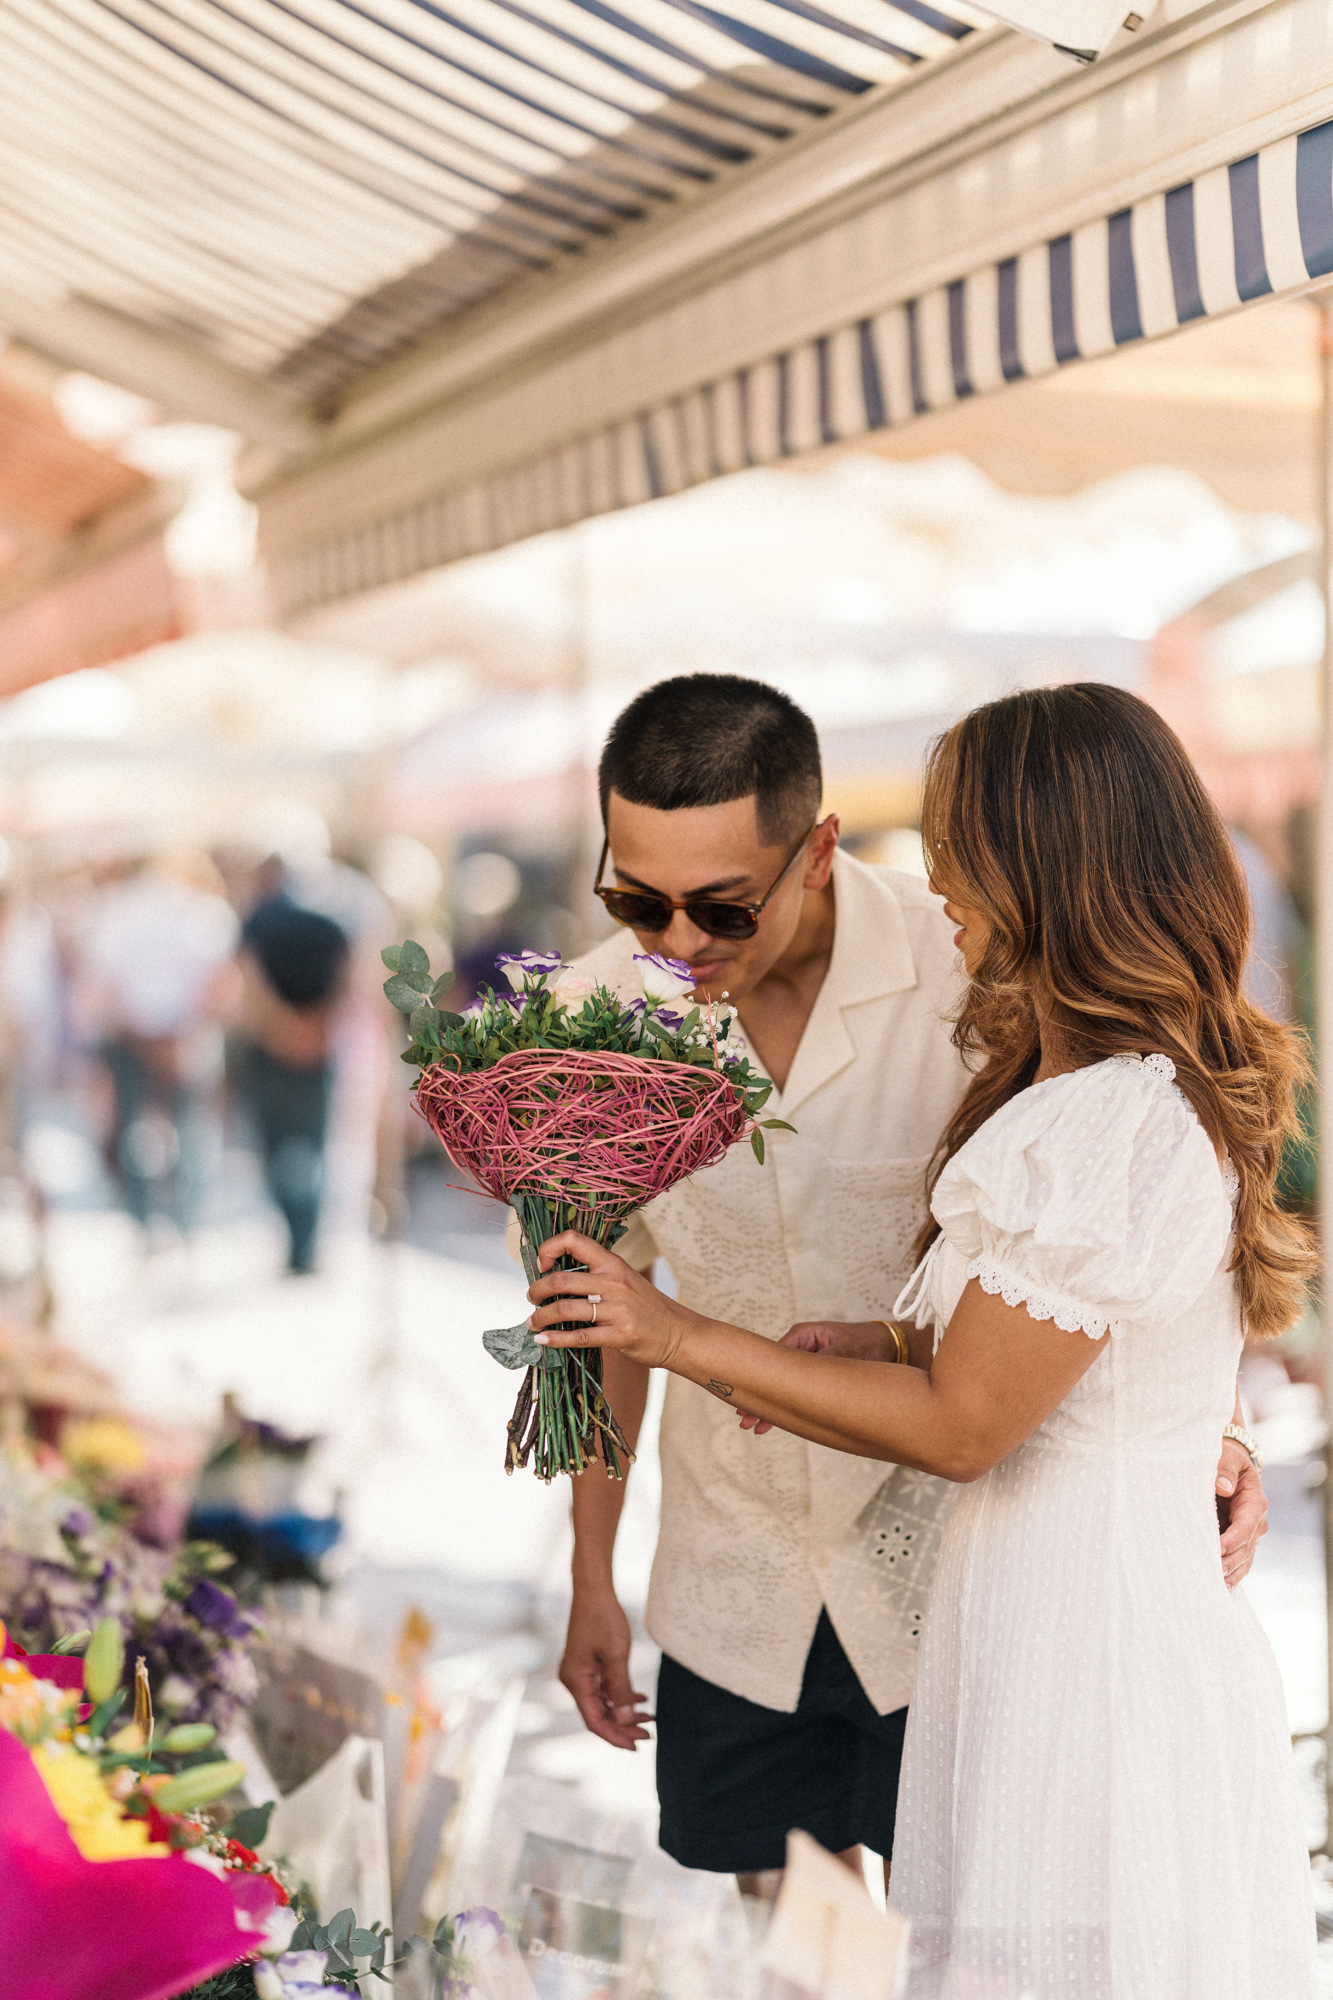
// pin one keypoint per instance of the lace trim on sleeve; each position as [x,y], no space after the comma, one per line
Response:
[1069,1314]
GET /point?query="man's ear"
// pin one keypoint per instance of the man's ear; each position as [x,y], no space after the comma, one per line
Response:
[823,846]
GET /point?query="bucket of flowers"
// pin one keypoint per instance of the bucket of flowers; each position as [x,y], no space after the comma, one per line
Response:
[576,1107]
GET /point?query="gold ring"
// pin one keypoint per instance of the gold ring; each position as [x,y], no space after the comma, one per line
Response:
[594,1300]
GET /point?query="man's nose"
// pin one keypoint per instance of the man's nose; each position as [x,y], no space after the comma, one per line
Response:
[681,938]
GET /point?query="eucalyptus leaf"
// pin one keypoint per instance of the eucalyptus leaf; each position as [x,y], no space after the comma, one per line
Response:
[442,988]
[413,958]
[400,993]
[421,1018]
[390,956]
[516,1347]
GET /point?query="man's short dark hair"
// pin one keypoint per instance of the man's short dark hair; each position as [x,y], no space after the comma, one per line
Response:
[703,739]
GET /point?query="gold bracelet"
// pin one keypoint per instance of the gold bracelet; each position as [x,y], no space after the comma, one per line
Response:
[899,1343]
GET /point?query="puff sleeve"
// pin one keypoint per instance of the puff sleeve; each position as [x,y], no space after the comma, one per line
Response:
[1094,1199]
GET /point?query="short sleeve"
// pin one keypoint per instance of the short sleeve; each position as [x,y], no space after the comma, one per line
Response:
[1094,1199]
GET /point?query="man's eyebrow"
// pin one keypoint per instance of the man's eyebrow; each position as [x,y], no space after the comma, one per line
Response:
[694,895]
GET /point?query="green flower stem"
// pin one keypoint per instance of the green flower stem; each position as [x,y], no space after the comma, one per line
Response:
[562,1420]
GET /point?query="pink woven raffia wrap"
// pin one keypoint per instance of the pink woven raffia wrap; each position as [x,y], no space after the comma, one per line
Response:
[601,1129]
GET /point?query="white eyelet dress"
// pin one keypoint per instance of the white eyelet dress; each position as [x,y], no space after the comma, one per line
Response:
[1097,1799]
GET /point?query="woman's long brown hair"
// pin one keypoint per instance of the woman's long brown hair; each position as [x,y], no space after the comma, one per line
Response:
[1074,819]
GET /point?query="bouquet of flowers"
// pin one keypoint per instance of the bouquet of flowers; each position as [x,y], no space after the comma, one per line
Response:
[99,1816]
[64,1566]
[576,1107]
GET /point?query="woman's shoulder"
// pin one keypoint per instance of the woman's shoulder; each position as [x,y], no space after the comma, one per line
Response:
[1113,1137]
[1123,1104]
[1108,1161]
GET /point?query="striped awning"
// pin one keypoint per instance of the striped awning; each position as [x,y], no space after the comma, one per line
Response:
[1261,226]
[298,190]
[966,267]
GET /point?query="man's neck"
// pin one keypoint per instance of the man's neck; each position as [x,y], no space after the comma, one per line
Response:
[775,1013]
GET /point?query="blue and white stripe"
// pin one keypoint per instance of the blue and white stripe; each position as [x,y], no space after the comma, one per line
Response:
[302,188]
[1254,229]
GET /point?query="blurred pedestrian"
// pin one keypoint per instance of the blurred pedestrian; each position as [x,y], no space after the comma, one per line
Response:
[294,972]
[154,960]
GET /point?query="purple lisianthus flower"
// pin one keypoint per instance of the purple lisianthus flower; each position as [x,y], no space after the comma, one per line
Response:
[217,1608]
[78,1521]
[519,967]
[477,1931]
[670,1019]
[664,978]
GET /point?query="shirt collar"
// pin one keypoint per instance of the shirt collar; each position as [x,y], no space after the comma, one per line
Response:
[872,953]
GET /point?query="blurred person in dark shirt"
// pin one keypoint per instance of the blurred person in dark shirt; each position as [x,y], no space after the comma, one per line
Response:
[294,971]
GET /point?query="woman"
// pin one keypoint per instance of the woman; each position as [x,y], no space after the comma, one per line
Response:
[1097,1799]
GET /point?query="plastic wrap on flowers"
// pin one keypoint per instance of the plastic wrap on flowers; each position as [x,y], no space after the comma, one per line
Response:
[143,1929]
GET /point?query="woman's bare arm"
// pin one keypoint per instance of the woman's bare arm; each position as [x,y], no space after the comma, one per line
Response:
[997,1375]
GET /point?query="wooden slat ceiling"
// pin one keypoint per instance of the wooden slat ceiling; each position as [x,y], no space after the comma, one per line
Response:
[301,189]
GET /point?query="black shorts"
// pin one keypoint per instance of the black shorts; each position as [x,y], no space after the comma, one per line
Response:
[733,1778]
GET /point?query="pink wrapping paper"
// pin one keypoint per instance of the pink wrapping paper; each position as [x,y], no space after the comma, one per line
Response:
[72,1929]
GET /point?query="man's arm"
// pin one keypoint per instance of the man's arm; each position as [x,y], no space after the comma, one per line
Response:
[595,1667]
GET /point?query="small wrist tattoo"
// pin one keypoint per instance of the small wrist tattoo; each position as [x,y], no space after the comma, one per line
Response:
[720,1388]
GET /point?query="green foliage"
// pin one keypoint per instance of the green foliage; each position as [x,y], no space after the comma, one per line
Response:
[538,1018]
[237,1982]
[250,1825]
[345,1941]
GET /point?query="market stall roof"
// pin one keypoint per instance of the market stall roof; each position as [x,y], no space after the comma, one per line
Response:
[288,194]
[471,271]
[83,574]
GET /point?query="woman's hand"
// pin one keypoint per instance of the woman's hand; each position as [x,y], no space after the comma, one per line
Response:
[630,1313]
[863,1340]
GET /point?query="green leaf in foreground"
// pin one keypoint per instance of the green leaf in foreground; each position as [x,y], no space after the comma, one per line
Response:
[250,1825]
[516,1347]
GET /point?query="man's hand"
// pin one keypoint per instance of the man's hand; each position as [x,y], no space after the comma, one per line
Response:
[861,1340]
[595,1669]
[1242,1508]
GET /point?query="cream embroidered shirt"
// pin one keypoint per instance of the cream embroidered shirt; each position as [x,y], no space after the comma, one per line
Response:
[758,1532]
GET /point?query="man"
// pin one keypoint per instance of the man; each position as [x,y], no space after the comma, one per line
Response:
[790,1580]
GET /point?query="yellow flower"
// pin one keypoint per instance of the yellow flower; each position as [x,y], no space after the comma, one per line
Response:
[88,1809]
[31,1709]
[106,1443]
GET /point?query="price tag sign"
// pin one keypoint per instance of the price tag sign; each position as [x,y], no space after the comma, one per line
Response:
[827,1938]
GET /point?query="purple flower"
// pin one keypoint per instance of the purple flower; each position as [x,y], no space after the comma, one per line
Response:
[217,1608]
[669,1019]
[520,967]
[665,978]
[78,1521]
